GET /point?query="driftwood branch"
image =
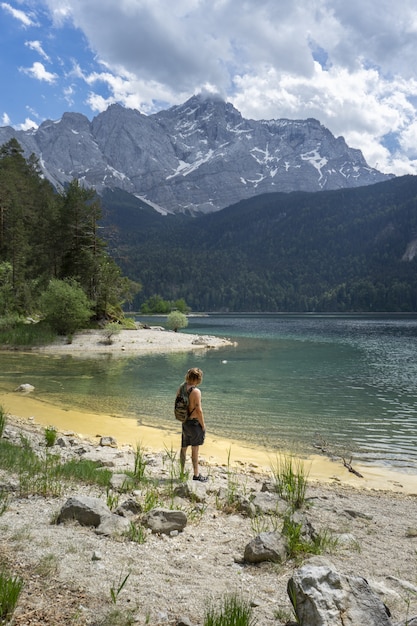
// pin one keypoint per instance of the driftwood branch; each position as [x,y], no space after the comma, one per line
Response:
[350,468]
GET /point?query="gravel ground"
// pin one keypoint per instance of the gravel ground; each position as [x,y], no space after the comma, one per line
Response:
[69,571]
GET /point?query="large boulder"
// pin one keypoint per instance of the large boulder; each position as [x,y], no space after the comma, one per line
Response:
[93,512]
[85,510]
[321,596]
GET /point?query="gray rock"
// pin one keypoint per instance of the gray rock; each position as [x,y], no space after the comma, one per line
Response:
[108,442]
[323,597]
[269,546]
[269,503]
[165,521]
[112,525]
[85,510]
[129,508]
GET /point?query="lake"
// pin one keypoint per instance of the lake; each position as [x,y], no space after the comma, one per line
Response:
[346,382]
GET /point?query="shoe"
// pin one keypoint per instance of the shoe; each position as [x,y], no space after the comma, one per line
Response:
[200,478]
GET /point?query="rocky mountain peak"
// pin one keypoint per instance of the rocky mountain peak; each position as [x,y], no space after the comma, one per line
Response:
[200,156]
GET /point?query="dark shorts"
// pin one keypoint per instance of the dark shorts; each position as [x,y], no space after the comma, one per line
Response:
[192,434]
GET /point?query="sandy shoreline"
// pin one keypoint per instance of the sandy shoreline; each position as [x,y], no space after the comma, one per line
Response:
[216,450]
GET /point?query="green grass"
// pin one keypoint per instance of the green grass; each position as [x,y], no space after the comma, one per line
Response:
[10,590]
[44,475]
[50,436]
[299,546]
[233,611]
[22,334]
[85,471]
[140,463]
[290,478]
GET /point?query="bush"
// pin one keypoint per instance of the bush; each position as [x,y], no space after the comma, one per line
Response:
[111,329]
[176,320]
[65,306]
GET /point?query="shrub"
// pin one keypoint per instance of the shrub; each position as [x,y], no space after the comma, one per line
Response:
[111,329]
[65,306]
[176,320]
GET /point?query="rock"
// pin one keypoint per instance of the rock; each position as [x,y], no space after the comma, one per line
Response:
[357,514]
[25,388]
[122,482]
[128,508]
[85,510]
[112,525]
[307,532]
[269,503]
[165,521]
[184,621]
[93,512]
[269,546]
[108,442]
[323,597]
[245,506]
[62,442]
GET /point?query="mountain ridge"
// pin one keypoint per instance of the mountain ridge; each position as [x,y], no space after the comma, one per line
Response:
[198,157]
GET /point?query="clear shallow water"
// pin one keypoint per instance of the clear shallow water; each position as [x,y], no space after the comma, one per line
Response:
[293,380]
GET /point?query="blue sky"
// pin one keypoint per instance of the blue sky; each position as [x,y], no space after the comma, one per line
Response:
[351,65]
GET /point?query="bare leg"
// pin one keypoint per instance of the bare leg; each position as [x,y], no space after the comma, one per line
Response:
[194,459]
[183,455]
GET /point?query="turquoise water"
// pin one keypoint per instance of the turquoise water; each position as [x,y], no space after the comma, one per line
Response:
[292,381]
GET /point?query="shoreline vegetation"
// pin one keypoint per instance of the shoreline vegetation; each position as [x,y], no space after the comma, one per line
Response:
[93,344]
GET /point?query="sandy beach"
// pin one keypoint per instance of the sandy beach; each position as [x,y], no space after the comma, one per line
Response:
[91,344]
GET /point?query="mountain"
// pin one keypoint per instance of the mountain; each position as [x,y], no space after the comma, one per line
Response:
[341,250]
[199,157]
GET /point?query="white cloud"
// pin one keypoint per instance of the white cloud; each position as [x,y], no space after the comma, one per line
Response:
[37,47]
[39,72]
[26,19]
[5,120]
[349,64]
[28,125]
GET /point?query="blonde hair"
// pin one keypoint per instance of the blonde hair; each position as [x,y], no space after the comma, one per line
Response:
[194,376]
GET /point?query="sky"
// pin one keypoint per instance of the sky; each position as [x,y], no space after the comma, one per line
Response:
[351,64]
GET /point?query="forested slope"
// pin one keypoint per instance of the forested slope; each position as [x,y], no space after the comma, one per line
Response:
[330,251]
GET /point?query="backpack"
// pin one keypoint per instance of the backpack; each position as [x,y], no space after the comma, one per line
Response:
[181,403]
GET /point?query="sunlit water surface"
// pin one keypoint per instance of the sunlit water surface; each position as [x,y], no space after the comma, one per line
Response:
[346,382]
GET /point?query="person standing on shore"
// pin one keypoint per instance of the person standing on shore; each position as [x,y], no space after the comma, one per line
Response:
[194,428]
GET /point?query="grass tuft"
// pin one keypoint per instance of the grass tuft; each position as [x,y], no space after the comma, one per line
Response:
[290,480]
[10,590]
[233,611]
